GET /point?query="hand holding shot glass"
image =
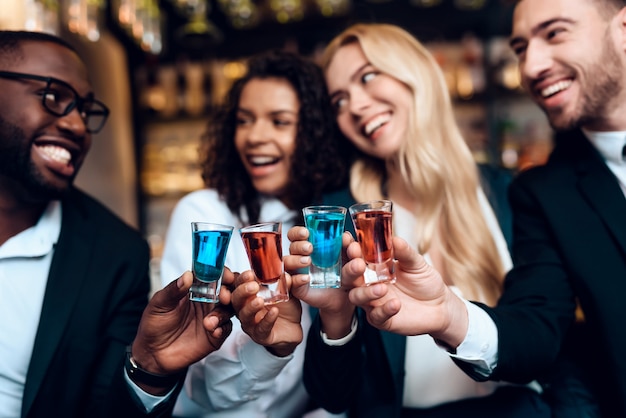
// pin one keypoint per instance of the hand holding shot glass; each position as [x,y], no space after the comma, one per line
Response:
[263,244]
[373,226]
[325,225]
[209,246]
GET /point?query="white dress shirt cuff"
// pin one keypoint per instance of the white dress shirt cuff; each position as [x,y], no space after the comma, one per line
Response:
[260,362]
[149,401]
[480,346]
[343,340]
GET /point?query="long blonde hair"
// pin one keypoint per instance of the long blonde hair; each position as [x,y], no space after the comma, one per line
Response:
[434,161]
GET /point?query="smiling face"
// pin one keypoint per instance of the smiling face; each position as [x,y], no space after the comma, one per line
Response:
[372,107]
[570,62]
[40,153]
[265,137]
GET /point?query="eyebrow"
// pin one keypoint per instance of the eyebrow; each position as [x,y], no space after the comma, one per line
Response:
[352,77]
[272,113]
[540,27]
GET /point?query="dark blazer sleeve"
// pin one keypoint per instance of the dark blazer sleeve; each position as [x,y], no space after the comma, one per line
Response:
[538,304]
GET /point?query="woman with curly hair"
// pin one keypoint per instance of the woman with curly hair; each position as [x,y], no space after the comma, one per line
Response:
[277,114]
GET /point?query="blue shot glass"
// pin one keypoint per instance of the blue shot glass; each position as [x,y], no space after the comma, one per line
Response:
[210,244]
[326,226]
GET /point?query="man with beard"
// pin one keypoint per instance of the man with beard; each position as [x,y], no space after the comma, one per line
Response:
[75,339]
[569,222]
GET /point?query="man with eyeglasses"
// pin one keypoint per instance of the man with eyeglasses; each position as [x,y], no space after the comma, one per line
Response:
[76,336]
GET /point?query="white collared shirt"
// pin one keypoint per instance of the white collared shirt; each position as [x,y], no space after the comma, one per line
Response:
[610,145]
[24,264]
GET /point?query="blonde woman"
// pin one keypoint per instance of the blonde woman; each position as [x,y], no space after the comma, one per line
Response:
[392,103]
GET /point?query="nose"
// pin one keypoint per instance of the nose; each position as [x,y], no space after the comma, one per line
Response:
[73,122]
[537,60]
[258,131]
[360,100]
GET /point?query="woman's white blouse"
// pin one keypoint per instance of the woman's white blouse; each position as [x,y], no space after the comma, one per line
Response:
[241,379]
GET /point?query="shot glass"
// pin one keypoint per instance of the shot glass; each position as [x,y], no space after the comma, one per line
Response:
[325,225]
[263,243]
[210,244]
[373,227]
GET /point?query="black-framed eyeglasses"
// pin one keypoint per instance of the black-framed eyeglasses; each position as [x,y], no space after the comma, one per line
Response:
[59,99]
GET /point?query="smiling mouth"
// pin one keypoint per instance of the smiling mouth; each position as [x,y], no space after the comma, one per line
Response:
[262,160]
[375,124]
[555,88]
[56,153]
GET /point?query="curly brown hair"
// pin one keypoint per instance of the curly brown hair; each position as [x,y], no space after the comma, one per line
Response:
[321,158]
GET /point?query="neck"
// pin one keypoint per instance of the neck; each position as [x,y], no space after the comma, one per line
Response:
[398,192]
[17,215]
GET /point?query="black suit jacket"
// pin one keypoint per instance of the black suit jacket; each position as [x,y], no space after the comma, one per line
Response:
[96,292]
[569,242]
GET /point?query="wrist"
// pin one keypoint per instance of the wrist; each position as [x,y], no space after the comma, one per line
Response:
[282,351]
[337,325]
[457,323]
[153,383]
[344,340]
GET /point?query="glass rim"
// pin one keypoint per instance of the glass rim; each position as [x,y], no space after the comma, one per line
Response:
[215,226]
[383,204]
[325,208]
[261,226]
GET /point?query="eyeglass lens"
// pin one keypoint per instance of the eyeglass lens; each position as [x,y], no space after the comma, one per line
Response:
[59,99]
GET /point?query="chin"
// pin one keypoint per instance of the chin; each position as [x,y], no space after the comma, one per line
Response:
[268,190]
[561,121]
[564,124]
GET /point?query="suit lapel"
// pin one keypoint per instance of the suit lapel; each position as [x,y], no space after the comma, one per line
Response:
[70,260]
[601,190]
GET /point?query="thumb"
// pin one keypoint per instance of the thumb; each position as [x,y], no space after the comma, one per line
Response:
[407,256]
[169,297]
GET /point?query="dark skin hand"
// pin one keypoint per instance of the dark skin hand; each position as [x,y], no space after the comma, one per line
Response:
[276,327]
[175,332]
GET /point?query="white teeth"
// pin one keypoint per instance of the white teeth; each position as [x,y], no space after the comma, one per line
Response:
[555,88]
[262,160]
[376,123]
[57,153]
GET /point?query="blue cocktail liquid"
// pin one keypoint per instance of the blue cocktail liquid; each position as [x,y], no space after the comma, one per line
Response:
[209,253]
[325,230]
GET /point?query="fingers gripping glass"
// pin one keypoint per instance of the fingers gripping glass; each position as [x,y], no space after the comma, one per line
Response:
[59,99]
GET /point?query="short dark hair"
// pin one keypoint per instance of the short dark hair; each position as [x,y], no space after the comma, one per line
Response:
[10,44]
[320,161]
[607,8]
